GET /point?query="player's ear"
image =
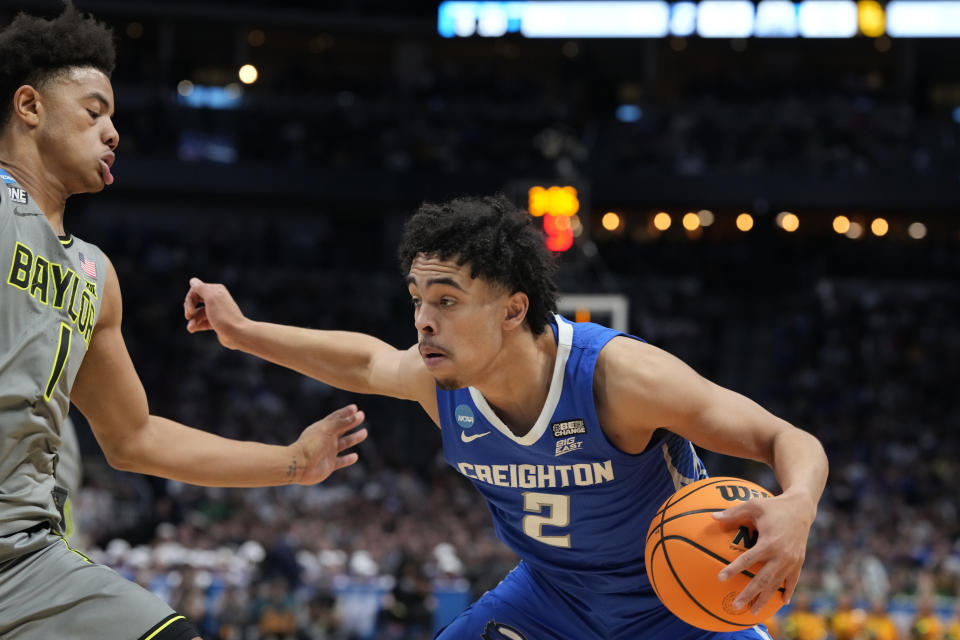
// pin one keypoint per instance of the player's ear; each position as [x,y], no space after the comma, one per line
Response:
[26,105]
[516,309]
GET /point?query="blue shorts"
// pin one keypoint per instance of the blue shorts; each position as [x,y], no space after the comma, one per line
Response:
[524,606]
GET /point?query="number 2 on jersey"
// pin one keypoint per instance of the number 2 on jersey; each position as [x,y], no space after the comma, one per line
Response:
[63,352]
[558,507]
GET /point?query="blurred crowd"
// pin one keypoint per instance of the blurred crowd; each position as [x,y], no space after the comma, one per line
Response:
[411,103]
[846,135]
[847,619]
[470,124]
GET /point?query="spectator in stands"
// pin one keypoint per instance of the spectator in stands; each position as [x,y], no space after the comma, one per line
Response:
[879,625]
[803,623]
[926,623]
[846,620]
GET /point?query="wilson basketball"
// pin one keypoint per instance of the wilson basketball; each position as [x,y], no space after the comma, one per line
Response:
[686,548]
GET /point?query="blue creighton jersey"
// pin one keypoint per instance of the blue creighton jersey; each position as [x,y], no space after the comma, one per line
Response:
[575,508]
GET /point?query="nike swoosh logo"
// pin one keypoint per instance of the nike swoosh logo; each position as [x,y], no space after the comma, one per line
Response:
[466,438]
[24,214]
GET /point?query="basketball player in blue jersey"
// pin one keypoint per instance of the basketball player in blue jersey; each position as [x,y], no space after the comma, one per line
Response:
[574,433]
[60,341]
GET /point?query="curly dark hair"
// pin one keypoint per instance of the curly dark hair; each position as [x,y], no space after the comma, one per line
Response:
[498,241]
[34,50]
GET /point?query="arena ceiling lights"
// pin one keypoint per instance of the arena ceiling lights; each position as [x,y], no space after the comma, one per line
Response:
[707,18]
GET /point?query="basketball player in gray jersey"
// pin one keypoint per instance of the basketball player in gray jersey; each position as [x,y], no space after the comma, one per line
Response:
[60,341]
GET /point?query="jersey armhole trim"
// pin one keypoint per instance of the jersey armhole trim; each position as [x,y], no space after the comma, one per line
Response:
[623,456]
[173,627]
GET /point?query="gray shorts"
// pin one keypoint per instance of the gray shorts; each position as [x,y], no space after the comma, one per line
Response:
[56,592]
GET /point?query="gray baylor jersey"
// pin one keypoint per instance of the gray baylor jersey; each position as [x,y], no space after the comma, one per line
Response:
[50,296]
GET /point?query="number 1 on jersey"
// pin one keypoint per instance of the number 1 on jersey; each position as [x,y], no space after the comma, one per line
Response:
[559,516]
[63,352]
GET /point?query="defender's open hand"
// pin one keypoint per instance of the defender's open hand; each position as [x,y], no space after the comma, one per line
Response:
[317,450]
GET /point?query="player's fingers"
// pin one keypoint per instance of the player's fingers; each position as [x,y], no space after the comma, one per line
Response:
[190,302]
[763,598]
[343,413]
[746,560]
[790,584]
[198,322]
[759,601]
[351,440]
[743,512]
[758,591]
[347,460]
[346,418]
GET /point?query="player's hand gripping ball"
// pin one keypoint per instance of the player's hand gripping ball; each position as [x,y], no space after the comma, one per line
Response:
[686,549]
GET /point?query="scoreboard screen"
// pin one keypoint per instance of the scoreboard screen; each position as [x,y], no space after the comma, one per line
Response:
[706,18]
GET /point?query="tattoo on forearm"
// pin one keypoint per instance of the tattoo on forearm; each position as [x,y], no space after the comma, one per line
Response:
[292,469]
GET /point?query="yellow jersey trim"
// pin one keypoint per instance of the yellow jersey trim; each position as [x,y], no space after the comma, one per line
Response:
[164,626]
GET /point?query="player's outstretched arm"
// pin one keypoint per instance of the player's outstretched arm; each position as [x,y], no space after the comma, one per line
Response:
[109,393]
[352,361]
[642,380]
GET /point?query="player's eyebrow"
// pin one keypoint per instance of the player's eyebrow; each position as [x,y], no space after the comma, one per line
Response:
[100,97]
[432,281]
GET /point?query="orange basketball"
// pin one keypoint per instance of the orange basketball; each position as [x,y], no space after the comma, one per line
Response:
[687,548]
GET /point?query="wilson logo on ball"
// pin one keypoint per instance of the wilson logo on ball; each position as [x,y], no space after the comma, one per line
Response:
[739,493]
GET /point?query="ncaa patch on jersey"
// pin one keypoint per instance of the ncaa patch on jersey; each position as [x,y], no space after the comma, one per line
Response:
[464,415]
[568,428]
